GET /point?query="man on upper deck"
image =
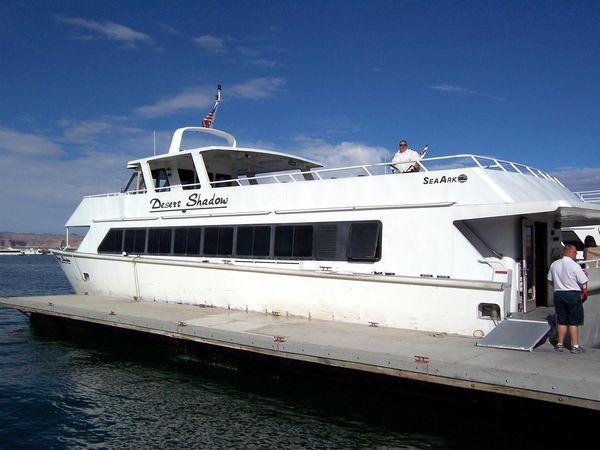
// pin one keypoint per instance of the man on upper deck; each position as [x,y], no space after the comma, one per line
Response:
[570,290]
[405,159]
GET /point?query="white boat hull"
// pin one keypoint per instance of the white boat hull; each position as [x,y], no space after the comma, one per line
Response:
[455,248]
[400,302]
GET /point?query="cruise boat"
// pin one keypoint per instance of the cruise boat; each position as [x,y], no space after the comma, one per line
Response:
[11,252]
[456,247]
[33,251]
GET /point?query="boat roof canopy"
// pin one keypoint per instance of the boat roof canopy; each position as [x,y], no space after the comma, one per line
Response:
[579,216]
[243,161]
[238,161]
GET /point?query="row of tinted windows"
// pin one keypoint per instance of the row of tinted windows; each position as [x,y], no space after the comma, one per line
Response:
[338,241]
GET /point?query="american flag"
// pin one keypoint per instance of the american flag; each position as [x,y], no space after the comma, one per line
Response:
[208,120]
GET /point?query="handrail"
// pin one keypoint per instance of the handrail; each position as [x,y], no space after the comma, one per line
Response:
[589,196]
[589,265]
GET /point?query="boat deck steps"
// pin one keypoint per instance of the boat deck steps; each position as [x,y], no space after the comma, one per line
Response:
[543,374]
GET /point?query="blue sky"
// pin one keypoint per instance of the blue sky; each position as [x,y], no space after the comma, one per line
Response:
[84,84]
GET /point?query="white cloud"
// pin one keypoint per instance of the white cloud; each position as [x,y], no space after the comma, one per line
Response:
[449,88]
[265,63]
[170,30]
[582,179]
[197,97]
[247,51]
[44,184]
[25,145]
[189,99]
[126,36]
[462,90]
[343,154]
[210,43]
[251,54]
[257,88]
[85,131]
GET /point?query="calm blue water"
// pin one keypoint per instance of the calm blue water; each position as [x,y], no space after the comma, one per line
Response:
[62,389]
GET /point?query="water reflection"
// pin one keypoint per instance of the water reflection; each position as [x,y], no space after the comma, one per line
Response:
[116,393]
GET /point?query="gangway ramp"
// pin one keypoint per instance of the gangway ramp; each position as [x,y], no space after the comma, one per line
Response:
[516,334]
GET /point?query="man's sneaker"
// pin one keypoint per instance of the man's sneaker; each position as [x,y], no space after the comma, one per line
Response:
[577,349]
[559,348]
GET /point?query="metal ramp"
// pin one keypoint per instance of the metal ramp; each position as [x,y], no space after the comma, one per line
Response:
[516,334]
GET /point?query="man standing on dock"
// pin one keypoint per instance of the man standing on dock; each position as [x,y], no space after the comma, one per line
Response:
[570,290]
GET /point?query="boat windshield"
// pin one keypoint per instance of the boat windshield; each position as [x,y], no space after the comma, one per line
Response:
[136,184]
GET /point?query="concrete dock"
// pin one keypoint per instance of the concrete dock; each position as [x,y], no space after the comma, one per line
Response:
[544,374]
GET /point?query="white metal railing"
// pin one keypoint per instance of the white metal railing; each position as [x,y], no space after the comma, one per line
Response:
[589,196]
[369,170]
[427,165]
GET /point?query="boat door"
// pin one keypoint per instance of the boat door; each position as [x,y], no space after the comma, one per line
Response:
[533,268]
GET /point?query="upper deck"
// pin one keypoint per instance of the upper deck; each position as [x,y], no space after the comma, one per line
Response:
[253,181]
[231,166]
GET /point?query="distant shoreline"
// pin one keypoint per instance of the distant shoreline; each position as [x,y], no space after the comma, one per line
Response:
[42,241]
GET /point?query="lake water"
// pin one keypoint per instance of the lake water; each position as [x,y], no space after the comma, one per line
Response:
[69,389]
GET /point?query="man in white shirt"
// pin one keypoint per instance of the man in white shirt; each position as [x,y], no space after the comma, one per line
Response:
[405,159]
[570,290]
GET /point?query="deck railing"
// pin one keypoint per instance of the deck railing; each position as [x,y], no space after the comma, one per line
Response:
[589,196]
[370,170]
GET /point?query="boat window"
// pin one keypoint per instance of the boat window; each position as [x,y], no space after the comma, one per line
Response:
[112,242]
[220,177]
[226,241]
[211,241]
[135,240]
[326,241]
[159,241]
[332,241]
[284,240]
[253,241]
[365,241]
[245,239]
[160,180]
[262,241]
[188,179]
[135,184]
[218,241]
[294,241]
[570,237]
[303,241]
[187,241]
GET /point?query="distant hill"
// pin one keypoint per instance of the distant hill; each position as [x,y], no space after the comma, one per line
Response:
[34,240]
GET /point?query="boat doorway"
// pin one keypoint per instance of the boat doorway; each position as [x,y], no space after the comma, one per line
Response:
[534,267]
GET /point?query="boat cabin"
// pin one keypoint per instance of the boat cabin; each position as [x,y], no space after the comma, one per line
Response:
[214,166]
